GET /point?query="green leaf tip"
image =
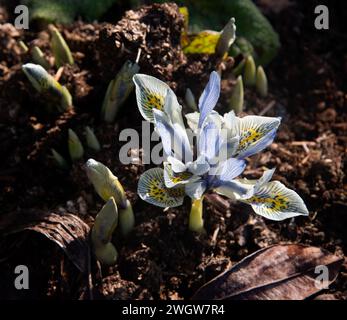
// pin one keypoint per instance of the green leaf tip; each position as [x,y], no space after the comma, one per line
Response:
[249,72]
[105,183]
[39,58]
[61,50]
[226,39]
[237,98]
[92,140]
[190,100]
[126,219]
[76,149]
[43,82]
[105,223]
[118,91]
[261,83]
[59,159]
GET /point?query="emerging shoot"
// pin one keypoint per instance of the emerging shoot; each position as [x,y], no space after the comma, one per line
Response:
[118,91]
[75,146]
[92,140]
[57,95]
[60,49]
[249,72]
[237,97]
[106,186]
[126,219]
[190,100]
[105,223]
[105,183]
[23,46]
[226,38]
[59,159]
[261,83]
[39,58]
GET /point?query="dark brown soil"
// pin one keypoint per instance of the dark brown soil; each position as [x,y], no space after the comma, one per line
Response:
[162,259]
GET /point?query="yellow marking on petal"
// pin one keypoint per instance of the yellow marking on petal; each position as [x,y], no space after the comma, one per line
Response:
[159,192]
[180,177]
[248,137]
[153,100]
[275,203]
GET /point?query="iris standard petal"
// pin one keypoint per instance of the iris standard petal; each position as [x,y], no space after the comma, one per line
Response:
[209,97]
[174,138]
[230,169]
[209,140]
[173,109]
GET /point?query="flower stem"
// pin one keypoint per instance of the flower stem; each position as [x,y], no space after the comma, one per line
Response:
[196,223]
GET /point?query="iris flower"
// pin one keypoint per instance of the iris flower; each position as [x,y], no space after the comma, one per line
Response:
[214,160]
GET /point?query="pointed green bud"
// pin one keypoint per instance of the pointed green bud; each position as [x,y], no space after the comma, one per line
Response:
[249,72]
[118,91]
[126,219]
[23,46]
[237,97]
[106,254]
[196,223]
[43,82]
[226,38]
[92,140]
[190,100]
[105,183]
[261,83]
[59,159]
[75,146]
[39,58]
[106,222]
[61,50]
[238,70]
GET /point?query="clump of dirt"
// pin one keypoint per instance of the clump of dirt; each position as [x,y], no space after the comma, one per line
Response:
[155,29]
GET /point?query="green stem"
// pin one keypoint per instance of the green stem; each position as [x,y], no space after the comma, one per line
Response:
[196,223]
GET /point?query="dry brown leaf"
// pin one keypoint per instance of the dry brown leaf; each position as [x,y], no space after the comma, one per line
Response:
[279,272]
[68,231]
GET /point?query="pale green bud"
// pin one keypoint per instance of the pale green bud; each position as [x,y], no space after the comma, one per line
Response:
[43,82]
[105,183]
[105,223]
[39,58]
[261,83]
[23,46]
[237,97]
[190,100]
[92,140]
[226,38]
[59,159]
[75,146]
[126,219]
[249,72]
[60,49]
[118,91]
